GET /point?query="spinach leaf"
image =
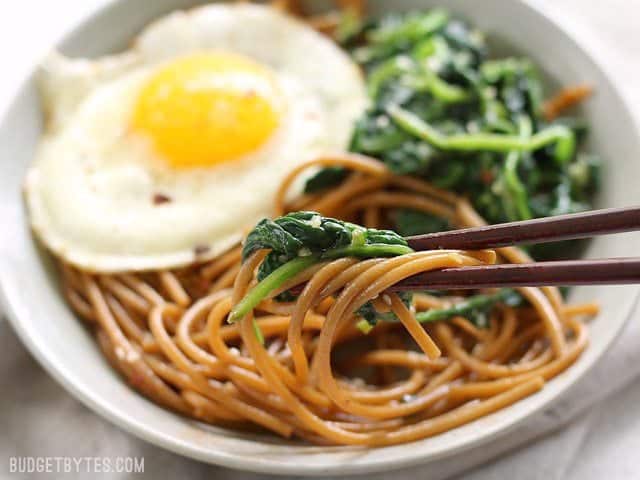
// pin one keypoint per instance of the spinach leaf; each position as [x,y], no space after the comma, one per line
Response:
[413,222]
[325,178]
[447,109]
[309,234]
[475,309]
[300,239]
[369,313]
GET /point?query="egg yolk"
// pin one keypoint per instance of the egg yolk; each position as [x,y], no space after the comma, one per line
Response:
[208,108]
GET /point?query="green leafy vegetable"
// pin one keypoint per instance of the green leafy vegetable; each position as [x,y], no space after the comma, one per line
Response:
[308,234]
[300,239]
[475,308]
[372,316]
[270,283]
[559,135]
[326,178]
[443,110]
[413,222]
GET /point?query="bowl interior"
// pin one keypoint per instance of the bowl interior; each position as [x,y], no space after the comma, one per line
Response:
[67,350]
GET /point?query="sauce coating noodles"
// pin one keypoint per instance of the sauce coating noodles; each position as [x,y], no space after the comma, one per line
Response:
[316,376]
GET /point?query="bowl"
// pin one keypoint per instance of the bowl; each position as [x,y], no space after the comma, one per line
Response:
[69,353]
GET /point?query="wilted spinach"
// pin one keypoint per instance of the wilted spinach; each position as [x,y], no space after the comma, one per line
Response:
[300,239]
[475,308]
[443,109]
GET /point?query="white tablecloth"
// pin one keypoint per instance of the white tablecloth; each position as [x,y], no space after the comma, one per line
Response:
[592,433]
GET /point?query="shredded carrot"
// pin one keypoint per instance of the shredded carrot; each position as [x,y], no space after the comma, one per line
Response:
[566,98]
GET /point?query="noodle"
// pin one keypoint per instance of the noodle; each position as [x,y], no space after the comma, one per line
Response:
[317,377]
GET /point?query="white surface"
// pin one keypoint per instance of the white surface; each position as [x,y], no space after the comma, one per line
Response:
[60,416]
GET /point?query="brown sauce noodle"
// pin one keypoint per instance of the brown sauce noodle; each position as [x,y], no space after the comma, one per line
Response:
[317,377]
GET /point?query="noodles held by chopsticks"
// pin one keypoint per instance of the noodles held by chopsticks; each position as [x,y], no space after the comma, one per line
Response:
[316,376]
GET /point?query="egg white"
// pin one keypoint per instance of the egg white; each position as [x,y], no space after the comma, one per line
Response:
[90,191]
[272,38]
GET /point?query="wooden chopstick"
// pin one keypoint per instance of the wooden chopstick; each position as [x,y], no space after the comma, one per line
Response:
[541,230]
[561,273]
[550,229]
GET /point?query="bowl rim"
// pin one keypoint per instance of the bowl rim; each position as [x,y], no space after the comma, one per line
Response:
[592,50]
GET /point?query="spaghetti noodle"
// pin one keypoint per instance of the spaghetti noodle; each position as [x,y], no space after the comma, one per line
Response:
[316,376]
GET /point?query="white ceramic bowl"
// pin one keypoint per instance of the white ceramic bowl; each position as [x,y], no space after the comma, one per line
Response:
[67,350]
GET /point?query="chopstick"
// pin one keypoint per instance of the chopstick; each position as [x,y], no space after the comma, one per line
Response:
[550,229]
[615,271]
[541,230]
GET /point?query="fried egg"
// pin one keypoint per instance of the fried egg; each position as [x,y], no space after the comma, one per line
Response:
[166,153]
